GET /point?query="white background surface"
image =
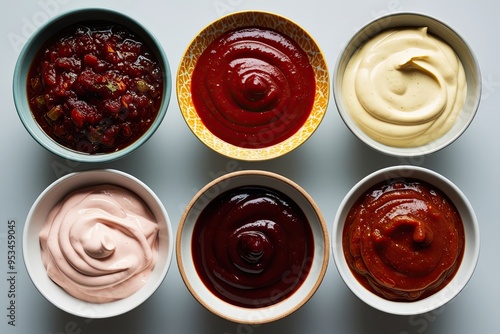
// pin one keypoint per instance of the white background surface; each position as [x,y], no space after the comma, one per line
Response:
[175,165]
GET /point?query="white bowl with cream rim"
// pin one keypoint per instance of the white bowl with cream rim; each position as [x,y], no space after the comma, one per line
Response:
[317,263]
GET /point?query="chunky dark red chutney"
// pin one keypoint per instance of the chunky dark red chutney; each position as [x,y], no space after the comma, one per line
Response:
[95,88]
[403,240]
[253,87]
[252,246]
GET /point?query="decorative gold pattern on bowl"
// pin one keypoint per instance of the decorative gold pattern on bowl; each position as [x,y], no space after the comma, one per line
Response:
[266,20]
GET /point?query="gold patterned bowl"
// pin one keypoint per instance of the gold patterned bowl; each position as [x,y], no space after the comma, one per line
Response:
[264,20]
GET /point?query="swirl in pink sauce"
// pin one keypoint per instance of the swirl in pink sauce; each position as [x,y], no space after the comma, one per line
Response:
[100,243]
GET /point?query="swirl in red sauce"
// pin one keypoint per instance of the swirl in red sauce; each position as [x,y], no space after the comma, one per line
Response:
[252,246]
[95,88]
[253,87]
[403,240]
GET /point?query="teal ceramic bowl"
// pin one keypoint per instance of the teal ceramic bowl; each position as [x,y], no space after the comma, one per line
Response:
[55,26]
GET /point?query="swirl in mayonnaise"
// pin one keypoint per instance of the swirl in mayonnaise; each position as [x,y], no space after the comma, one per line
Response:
[405,88]
[100,243]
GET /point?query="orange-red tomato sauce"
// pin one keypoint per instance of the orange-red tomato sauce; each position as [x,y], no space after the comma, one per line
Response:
[403,239]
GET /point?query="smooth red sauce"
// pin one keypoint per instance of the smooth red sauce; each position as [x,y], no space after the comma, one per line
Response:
[403,240]
[252,246]
[253,87]
[95,88]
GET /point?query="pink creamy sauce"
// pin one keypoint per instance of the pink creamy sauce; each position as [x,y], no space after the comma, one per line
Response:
[100,243]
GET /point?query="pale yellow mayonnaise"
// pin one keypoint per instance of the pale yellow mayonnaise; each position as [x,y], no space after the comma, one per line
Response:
[405,88]
[100,243]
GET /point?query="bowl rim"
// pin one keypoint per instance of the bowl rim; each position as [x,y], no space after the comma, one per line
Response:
[320,106]
[71,182]
[51,27]
[382,23]
[266,314]
[471,250]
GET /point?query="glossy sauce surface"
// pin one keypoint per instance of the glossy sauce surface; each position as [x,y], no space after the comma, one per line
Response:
[95,88]
[253,87]
[403,240]
[252,246]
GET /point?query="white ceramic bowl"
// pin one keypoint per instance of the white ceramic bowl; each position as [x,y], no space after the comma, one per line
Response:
[225,309]
[51,28]
[471,251]
[436,28]
[36,219]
